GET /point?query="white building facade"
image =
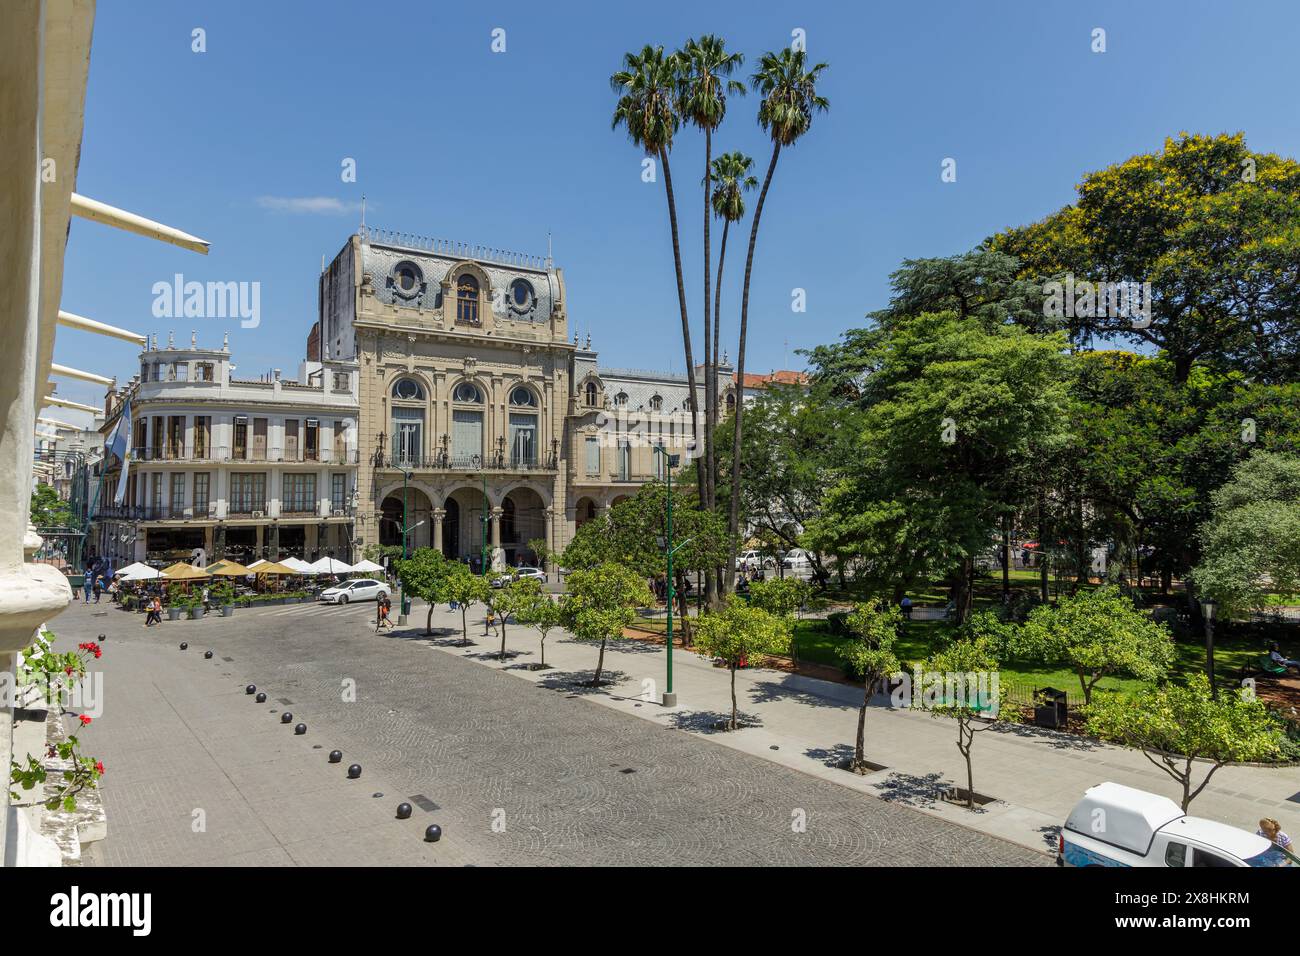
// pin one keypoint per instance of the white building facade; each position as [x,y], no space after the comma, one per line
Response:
[240,468]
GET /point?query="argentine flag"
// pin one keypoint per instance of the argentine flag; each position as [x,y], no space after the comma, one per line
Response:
[118,447]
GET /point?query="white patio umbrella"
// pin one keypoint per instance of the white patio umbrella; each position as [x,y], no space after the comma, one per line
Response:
[299,565]
[257,564]
[366,566]
[329,565]
[138,572]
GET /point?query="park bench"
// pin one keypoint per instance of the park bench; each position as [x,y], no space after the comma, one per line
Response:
[1263,665]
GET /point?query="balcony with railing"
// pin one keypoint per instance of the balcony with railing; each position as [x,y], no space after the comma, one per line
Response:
[201,454]
[466,463]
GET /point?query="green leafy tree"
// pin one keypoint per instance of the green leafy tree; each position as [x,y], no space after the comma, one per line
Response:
[964,673]
[1251,544]
[953,417]
[48,510]
[601,602]
[1177,724]
[514,598]
[738,633]
[1097,634]
[538,610]
[1213,226]
[633,533]
[782,597]
[425,575]
[467,589]
[787,87]
[870,656]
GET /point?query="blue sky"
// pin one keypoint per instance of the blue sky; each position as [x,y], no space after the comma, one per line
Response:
[456,141]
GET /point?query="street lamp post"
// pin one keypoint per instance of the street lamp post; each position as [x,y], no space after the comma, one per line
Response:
[1208,607]
[406,601]
[670,697]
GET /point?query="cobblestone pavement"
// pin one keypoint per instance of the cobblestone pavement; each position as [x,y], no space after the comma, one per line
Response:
[520,774]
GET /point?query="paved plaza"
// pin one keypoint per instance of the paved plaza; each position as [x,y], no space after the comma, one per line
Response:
[514,771]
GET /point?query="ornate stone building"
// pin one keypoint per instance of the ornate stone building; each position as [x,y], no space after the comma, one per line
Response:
[483,426]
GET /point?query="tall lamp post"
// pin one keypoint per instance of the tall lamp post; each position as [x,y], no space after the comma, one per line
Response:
[1208,608]
[406,601]
[670,461]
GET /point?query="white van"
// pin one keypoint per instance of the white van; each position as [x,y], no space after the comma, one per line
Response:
[1115,825]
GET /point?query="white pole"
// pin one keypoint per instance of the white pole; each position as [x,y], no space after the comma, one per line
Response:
[97,211]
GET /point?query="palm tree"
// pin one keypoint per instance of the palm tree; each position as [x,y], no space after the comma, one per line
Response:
[730,173]
[702,99]
[789,91]
[648,88]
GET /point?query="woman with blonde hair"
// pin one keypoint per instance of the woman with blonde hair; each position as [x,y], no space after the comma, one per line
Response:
[1271,830]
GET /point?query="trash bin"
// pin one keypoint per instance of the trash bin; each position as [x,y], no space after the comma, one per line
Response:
[1051,708]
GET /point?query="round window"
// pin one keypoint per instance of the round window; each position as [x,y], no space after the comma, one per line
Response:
[467,393]
[407,279]
[522,396]
[407,389]
[521,295]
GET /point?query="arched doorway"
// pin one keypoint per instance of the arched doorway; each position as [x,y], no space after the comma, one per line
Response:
[451,529]
[523,519]
[584,511]
[418,514]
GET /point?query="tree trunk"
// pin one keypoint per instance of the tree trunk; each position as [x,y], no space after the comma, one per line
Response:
[600,664]
[710,392]
[464,625]
[733,696]
[543,643]
[860,748]
[1006,559]
[683,608]
[503,637]
[428,621]
[719,574]
[970,782]
[681,291]
[733,517]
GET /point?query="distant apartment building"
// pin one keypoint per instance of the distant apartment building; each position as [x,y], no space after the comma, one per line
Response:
[238,467]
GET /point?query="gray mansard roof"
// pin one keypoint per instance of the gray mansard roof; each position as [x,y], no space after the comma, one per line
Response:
[435,258]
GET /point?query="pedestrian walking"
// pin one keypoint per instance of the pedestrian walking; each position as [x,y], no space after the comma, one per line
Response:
[88,584]
[382,608]
[906,605]
[98,587]
[154,614]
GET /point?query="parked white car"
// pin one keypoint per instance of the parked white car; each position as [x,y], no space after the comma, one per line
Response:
[514,574]
[757,559]
[797,559]
[1115,825]
[358,589]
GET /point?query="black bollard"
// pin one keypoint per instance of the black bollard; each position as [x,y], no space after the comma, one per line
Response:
[300,729]
[185,646]
[336,756]
[286,717]
[432,833]
[403,811]
[354,771]
[261,698]
[207,655]
[251,688]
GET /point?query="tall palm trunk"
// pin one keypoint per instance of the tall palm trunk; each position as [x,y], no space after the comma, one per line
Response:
[733,517]
[718,574]
[681,289]
[706,477]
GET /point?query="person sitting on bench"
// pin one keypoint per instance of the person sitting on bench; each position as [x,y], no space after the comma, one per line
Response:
[1276,656]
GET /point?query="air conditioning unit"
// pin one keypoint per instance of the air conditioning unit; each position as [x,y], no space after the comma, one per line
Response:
[259,514]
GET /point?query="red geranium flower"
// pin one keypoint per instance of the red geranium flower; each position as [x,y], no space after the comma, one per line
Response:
[99,766]
[84,720]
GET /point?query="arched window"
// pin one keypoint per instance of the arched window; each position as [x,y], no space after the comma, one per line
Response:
[467,393]
[591,395]
[620,399]
[408,389]
[520,395]
[656,403]
[731,401]
[467,299]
